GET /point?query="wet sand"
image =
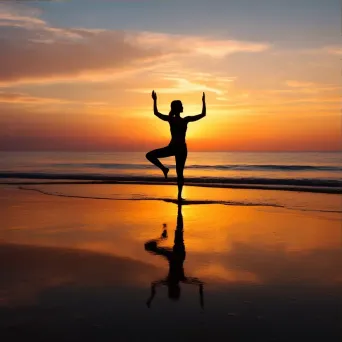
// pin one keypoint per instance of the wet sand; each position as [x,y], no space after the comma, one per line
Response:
[76,269]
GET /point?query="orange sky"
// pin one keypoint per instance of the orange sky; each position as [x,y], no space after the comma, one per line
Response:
[68,88]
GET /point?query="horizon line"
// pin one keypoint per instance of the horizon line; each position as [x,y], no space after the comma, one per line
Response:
[144,151]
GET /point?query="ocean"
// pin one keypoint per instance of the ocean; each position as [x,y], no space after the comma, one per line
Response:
[308,171]
[90,248]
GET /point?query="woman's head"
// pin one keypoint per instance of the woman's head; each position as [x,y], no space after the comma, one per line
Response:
[176,108]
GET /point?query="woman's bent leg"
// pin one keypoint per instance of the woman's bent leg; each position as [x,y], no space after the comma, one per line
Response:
[164,152]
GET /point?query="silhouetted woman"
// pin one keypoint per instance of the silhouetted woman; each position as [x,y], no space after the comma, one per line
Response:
[175,258]
[177,146]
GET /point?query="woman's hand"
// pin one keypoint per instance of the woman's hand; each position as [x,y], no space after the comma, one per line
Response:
[154,95]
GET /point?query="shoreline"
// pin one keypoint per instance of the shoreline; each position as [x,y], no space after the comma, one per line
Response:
[185,202]
[235,184]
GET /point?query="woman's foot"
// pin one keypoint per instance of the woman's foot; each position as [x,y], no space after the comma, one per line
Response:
[166,171]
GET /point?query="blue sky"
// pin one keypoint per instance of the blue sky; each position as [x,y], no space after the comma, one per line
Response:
[288,22]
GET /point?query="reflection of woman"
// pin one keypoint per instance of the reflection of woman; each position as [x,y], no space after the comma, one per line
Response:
[177,146]
[175,257]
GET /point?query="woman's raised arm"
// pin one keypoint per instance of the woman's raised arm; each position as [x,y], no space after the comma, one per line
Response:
[155,109]
[199,116]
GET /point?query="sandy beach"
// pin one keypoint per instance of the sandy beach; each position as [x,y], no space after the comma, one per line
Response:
[75,267]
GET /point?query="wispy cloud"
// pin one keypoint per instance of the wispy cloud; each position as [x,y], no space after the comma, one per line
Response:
[34,51]
[18,98]
[196,44]
[182,85]
[297,86]
[22,98]
[333,50]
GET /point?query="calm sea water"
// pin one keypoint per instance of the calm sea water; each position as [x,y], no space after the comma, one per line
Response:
[313,169]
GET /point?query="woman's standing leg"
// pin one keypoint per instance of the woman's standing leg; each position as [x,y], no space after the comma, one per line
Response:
[181,156]
[164,152]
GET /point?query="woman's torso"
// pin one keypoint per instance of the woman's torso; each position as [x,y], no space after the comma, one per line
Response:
[178,127]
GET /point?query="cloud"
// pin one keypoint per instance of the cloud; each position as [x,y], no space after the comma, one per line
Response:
[31,60]
[34,51]
[175,80]
[305,87]
[182,85]
[330,50]
[22,98]
[8,97]
[333,50]
[196,44]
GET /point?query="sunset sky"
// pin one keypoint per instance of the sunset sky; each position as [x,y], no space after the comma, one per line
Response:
[77,75]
